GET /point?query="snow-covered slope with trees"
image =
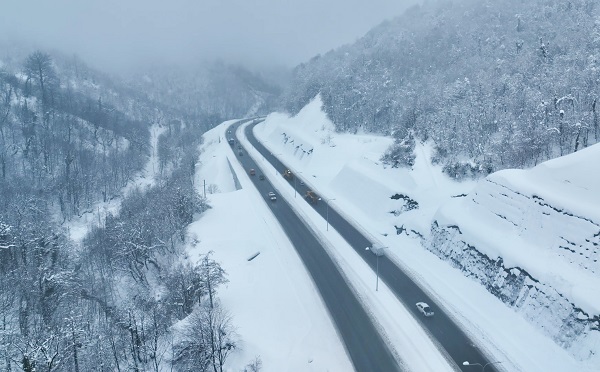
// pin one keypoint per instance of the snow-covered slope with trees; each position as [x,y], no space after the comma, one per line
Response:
[496,84]
[532,238]
[72,141]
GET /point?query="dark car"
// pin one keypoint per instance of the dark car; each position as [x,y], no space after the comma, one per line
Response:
[261,177]
[240,153]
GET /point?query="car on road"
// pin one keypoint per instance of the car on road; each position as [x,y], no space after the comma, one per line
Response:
[261,177]
[288,175]
[272,196]
[312,197]
[252,172]
[424,309]
[240,153]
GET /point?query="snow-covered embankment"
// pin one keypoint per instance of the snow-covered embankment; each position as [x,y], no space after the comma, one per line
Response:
[532,238]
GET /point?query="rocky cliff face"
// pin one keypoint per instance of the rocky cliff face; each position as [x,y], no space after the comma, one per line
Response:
[532,238]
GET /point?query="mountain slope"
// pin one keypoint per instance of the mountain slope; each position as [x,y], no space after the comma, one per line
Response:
[495,84]
[73,144]
[66,135]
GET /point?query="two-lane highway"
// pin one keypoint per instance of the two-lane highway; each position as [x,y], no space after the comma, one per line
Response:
[457,345]
[363,343]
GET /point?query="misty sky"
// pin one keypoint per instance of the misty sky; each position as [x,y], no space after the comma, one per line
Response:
[118,34]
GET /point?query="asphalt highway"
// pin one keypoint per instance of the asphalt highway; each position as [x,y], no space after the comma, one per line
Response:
[363,343]
[452,340]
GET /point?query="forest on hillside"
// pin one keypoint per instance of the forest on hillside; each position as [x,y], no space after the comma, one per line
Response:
[494,84]
[70,138]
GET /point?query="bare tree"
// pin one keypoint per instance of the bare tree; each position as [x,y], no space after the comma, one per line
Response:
[38,67]
[207,341]
[254,366]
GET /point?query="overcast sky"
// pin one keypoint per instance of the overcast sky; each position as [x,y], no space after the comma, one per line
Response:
[118,34]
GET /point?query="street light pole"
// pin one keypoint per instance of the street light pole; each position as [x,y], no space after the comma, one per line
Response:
[466,363]
[377,280]
[378,252]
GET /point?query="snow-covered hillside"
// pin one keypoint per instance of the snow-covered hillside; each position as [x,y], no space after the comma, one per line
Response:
[398,207]
[532,238]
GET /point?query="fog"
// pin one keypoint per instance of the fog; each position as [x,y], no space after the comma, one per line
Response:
[119,35]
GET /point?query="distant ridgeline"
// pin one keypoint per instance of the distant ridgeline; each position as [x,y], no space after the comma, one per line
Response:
[494,84]
[218,90]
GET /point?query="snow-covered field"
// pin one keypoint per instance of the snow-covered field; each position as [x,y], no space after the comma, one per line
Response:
[279,315]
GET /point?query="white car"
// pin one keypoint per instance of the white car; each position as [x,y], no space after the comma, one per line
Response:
[424,309]
[272,196]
